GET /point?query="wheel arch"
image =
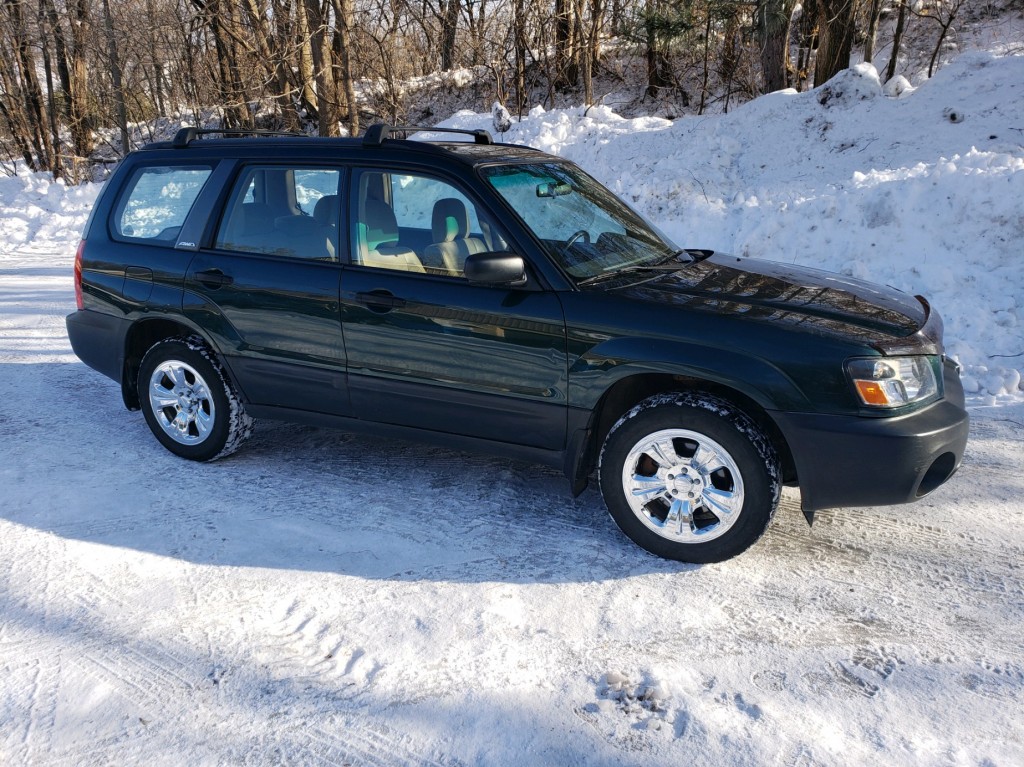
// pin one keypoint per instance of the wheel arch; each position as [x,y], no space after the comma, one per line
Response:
[139,339]
[627,392]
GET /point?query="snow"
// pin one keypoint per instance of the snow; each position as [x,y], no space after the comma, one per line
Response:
[323,598]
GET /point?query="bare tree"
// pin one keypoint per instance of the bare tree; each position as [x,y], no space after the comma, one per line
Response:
[944,13]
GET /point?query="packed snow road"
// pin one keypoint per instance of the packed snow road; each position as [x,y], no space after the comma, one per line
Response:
[321,598]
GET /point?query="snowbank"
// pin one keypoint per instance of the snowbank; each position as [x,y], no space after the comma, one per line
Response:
[37,213]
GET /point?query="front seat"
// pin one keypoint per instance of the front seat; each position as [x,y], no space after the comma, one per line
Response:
[378,240]
[452,243]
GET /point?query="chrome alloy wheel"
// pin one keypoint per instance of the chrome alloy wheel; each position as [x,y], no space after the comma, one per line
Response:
[683,485]
[181,402]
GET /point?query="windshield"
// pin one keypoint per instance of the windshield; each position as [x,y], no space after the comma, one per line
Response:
[586,229]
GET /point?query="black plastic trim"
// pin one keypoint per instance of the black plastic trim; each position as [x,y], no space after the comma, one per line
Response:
[96,339]
[552,458]
[376,134]
[854,461]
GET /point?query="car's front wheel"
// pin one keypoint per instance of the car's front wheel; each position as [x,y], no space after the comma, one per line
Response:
[690,477]
[189,402]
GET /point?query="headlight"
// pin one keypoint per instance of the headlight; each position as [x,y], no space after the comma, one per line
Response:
[891,382]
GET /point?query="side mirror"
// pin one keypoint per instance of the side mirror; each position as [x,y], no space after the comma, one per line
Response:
[500,268]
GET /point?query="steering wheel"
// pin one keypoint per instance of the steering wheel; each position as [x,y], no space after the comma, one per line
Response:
[582,233]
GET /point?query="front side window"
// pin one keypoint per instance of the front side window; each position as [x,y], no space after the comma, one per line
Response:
[585,228]
[157,200]
[284,211]
[416,223]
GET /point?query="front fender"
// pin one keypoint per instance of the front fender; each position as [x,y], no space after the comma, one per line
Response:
[611,361]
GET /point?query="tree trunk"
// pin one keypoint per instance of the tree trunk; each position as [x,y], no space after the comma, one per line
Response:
[449,28]
[656,79]
[56,166]
[343,55]
[835,39]
[591,49]
[304,49]
[897,38]
[706,64]
[872,33]
[772,25]
[121,113]
[519,33]
[79,103]
[323,70]
[566,74]
[31,94]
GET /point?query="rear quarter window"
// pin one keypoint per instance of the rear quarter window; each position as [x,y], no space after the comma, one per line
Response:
[156,201]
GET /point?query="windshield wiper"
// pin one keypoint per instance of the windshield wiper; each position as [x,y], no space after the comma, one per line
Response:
[662,265]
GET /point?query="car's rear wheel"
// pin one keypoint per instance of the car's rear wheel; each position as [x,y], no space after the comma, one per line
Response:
[189,402]
[690,477]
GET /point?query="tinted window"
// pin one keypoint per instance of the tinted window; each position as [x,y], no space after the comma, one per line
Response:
[157,201]
[283,211]
[416,223]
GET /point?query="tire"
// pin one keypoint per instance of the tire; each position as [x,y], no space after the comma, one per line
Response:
[189,402]
[689,477]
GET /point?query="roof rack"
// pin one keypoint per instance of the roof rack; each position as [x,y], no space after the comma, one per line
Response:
[184,136]
[376,134]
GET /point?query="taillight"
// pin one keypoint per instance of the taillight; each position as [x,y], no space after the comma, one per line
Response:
[78,274]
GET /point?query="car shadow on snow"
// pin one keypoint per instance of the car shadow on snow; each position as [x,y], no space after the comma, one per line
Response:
[296,497]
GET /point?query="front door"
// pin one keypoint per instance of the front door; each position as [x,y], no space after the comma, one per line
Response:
[425,347]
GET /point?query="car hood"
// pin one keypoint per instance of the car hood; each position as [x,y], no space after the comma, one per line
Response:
[784,293]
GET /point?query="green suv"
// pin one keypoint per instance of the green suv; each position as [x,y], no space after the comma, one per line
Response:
[495,298]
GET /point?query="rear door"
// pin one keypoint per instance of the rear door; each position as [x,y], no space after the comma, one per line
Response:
[266,287]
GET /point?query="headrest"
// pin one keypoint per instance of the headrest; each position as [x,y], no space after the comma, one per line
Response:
[381,225]
[450,220]
[327,210]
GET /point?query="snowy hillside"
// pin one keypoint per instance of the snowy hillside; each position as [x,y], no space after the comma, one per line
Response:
[326,599]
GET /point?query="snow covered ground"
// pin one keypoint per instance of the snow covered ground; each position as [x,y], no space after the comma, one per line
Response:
[321,598]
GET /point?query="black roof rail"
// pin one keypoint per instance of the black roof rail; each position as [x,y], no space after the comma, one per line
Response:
[376,134]
[186,135]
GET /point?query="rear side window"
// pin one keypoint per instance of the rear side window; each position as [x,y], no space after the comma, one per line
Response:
[279,210]
[157,200]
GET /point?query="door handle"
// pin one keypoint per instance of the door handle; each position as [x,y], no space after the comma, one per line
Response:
[380,300]
[214,278]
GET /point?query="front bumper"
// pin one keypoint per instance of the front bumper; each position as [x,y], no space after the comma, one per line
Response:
[857,461]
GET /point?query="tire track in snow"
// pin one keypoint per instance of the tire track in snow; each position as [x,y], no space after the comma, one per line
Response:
[42,698]
[305,647]
[365,745]
[148,678]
